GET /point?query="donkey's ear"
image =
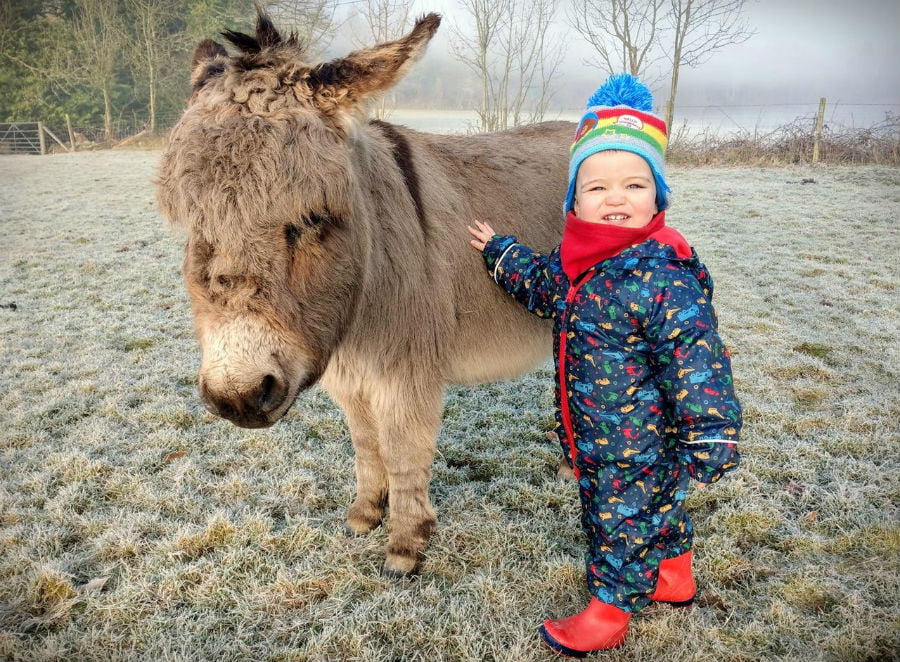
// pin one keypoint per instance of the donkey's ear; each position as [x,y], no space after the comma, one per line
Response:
[344,83]
[209,60]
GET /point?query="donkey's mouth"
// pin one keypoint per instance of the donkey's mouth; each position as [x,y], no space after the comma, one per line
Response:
[258,407]
[250,422]
[254,406]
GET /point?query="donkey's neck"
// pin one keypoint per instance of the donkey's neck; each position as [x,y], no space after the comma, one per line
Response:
[402,155]
[402,241]
[390,184]
[403,158]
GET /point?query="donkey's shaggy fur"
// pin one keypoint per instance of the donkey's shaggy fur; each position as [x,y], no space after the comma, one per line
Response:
[322,246]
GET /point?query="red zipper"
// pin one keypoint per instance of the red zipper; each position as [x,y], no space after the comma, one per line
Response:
[563,398]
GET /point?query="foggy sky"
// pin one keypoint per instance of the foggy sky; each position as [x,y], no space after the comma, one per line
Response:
[846,51]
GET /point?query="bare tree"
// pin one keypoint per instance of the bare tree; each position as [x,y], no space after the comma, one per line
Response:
[474,51]
[386,20]
[700,28]
[98,39]
[312,20]
[536,56]
[625,33]
[149,48]
[514,57]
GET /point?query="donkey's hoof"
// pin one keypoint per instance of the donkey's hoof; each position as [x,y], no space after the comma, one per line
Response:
[363,520]
[564,473]
[396,575]
[399,567]
[358,527]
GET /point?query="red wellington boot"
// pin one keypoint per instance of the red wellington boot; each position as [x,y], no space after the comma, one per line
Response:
[676,584]
[597,628]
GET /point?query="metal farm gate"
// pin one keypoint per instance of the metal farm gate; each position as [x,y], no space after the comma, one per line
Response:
[25,138]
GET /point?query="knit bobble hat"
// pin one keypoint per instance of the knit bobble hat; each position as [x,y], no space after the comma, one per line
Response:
[618,117]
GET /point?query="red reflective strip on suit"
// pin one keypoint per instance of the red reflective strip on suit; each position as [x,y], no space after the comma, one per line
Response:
[563,391]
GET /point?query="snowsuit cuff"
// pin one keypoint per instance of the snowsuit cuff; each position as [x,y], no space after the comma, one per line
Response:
[494,251]
[708,461]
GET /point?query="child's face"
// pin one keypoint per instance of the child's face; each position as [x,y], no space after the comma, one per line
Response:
[617,188]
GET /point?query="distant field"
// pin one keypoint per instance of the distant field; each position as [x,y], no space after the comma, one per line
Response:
[718,120]
[136,526]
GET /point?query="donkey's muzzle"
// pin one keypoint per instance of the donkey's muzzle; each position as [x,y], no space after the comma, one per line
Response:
[250,406]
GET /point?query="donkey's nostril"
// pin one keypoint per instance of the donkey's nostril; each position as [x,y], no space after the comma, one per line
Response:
[265,390]
[271,394]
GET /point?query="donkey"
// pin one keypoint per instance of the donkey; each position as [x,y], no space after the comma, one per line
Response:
[322,247]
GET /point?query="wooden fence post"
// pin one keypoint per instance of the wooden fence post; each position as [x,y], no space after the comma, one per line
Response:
[58,141]
[817,136]
[41,138]
[71,133]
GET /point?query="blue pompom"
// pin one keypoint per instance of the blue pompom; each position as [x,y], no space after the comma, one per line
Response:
[623,90]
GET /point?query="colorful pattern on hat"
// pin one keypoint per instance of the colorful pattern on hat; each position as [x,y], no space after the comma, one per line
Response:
[618,117]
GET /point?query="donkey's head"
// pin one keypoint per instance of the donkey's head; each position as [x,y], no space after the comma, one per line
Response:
[261,172]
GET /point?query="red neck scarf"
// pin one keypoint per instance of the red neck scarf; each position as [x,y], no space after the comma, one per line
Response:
[584,244]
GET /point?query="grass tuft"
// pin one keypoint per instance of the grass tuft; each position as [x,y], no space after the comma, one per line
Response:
[813,349]
[217,535]
[138,344]
[810,594]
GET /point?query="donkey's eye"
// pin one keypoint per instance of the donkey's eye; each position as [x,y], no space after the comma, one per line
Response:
[316,219]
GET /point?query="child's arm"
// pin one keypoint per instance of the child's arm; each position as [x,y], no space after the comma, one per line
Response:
[695,375]
[520,271]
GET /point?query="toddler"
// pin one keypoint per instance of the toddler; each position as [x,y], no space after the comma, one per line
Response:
[644,393]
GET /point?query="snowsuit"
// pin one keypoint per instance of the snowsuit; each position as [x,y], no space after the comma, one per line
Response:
[644,398]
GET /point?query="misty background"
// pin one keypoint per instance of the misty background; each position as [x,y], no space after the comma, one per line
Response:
[802,50]
[113,68]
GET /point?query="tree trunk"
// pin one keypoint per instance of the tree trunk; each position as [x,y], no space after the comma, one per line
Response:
[683,22]
[152,109]
[107,114]
[152,92]
[670,104]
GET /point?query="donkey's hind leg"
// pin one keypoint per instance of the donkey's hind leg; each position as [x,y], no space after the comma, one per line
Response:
[409,416]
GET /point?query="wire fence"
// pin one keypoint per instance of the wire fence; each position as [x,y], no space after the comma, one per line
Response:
[700,133]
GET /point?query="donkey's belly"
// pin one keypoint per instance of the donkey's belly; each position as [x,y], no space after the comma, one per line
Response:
[502,353]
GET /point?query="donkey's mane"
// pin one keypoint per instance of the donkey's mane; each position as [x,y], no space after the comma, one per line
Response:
[267,38]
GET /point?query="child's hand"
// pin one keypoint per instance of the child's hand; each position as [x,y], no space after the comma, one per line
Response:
[482,235]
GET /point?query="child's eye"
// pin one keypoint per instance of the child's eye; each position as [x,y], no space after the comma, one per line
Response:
[635,186]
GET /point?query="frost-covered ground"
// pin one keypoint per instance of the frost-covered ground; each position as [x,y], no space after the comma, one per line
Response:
[135,526]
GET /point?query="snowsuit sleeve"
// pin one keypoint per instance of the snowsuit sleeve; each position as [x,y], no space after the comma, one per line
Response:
[694,372]
[522,272]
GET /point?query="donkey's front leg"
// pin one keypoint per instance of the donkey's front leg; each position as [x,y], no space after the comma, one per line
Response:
[367,509]
[408,425]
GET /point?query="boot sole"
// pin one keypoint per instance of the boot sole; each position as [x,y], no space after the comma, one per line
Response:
[679,604]
[685,604]
[565,651]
